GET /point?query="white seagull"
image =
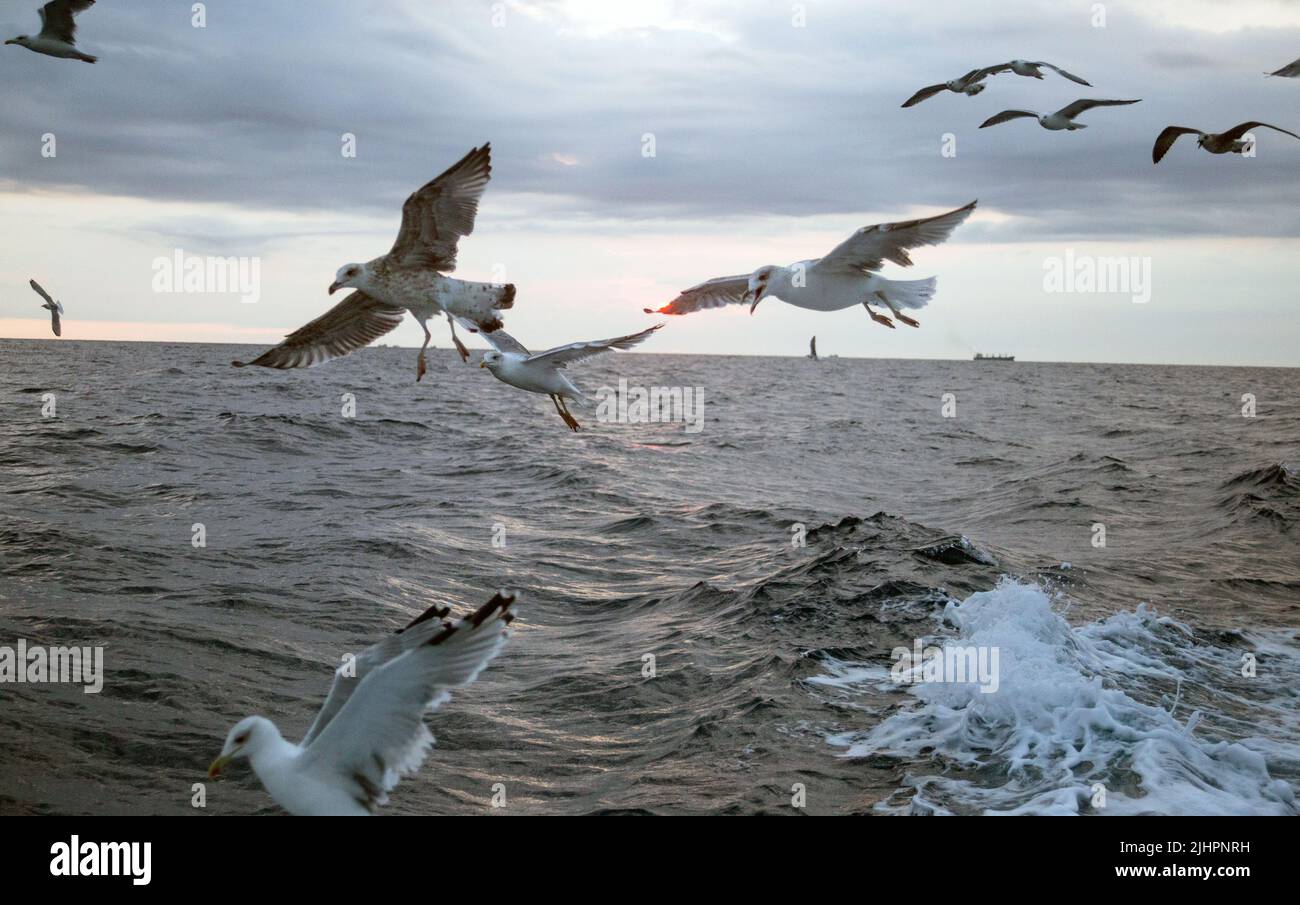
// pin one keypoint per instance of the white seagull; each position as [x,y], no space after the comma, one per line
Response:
[58,31]
[371,731]
[970,84]
[1289,71]
[1033,70]
[1230,142]
[543,372]
[409,278]
[55,308]
[1062,119]
[844,278]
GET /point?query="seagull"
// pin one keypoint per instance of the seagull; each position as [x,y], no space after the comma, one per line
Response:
[1289,71]
[58,31]
[1061,119]
[543,372]
[371,731]
[409,278]
[1230,142]
[970,84]
[55,308]
[844,278]
[1032,70]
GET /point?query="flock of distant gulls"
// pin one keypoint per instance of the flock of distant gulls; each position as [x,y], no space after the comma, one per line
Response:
[371,729]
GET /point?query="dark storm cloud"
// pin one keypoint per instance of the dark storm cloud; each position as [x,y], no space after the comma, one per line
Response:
[755,117]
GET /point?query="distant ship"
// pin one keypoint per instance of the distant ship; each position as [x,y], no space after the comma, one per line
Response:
[980,356]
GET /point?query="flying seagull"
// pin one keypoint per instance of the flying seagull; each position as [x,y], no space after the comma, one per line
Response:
[1032,70]
[543,372]
[58,31]
[844,278]
[970,84]
[55,308]
[371,731]
[1230,142]
[1061,119]
[409,278]
[1289,71]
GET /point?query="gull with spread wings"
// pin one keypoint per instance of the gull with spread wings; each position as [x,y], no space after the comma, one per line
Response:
[58,37]
[55,308]
[411,277]
[844,278]
[1231,142]
[1033,70]
[970,84]
[371,730]
[543,372]
[1062,119]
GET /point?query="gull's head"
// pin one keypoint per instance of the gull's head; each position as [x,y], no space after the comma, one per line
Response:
[349,276]
[1200,140]
[491,360]
[21,40]
[759,283]
[249,735]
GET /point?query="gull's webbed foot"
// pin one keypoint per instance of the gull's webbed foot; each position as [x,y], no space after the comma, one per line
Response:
[460,347]
[878,318]
[420,368]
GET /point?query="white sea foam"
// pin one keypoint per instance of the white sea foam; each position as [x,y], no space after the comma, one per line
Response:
[1082,706]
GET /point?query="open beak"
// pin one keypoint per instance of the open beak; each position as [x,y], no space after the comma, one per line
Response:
[756,297]
[218,765]
[482,364]
[335,287]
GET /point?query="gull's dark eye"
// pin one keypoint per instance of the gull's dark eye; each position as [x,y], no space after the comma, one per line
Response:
[239,740]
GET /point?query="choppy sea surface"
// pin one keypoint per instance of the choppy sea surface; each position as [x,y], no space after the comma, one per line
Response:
[678,649]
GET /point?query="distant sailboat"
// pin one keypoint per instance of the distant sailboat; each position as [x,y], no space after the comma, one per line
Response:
[812,349]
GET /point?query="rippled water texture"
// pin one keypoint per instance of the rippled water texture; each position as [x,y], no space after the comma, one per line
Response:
[1121,664]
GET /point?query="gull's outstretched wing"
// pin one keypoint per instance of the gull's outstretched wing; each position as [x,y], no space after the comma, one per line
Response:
[504,342]
[1165,140]
[438,214]
[1059,71]
[1006,116]
[713,293]
[1237,132]
[355,322]
[1086,103]
[870,247]
[561,356]
[41,292]
[1289,71]
[378,734]
[366,662]
[924,94]
[57,19]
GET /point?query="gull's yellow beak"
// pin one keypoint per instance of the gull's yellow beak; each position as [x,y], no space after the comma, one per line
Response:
[218,765]
[482,364]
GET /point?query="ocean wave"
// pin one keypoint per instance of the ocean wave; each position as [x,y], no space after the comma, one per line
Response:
[1074,718]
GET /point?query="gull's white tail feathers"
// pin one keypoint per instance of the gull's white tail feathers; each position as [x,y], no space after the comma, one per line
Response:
[909,293]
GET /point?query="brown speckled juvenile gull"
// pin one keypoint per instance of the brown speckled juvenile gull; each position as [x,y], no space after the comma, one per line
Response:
[1230,142]
[411,277]
[55,308]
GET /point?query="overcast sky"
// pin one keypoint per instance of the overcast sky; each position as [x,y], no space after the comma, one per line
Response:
[777,131]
